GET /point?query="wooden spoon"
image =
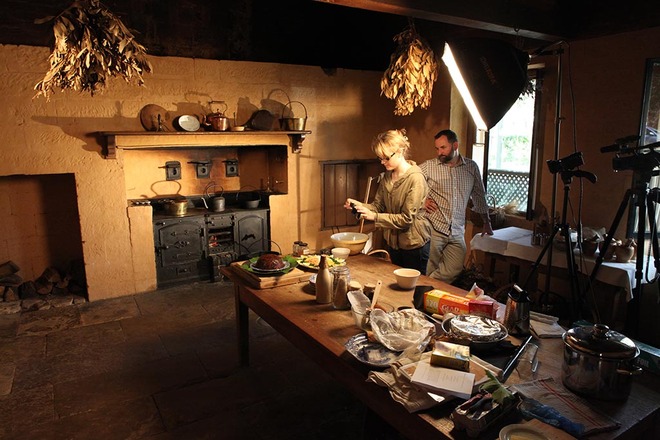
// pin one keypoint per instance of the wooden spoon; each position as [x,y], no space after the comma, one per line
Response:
[374,300]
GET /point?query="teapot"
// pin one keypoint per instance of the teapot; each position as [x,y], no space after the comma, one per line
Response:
[217,121]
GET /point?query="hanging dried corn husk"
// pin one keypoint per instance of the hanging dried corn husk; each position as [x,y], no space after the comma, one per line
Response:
[91,45]
[412,71]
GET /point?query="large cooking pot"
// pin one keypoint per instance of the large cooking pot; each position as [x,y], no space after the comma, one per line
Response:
[599,362]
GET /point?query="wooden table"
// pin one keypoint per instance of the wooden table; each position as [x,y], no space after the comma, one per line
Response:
[320,332]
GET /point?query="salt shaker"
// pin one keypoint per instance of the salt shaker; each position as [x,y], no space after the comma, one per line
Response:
[341,282]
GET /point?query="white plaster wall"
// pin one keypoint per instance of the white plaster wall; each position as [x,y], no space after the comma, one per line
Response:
[39,137]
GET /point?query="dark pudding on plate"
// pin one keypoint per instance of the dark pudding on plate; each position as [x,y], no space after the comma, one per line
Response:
[269,262]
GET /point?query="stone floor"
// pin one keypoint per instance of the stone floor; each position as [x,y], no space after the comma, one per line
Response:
[162,365]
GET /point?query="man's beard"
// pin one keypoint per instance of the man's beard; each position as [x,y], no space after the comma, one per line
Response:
[448,158]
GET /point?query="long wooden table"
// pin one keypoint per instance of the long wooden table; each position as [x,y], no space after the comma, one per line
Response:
[320,332]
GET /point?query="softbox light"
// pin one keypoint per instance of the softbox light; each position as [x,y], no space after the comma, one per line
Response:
[490,75]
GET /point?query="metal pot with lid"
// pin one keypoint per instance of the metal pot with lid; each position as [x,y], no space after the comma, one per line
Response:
[599,362]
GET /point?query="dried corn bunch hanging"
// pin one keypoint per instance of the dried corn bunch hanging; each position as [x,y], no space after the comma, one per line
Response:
[91,45]
[412,71]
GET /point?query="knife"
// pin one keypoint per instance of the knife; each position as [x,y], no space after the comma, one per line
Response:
[508,369]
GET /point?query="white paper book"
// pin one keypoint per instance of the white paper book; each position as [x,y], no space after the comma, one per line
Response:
[443,380]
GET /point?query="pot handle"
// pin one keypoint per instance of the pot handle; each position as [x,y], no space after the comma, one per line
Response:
[288,104]
[222,112]
[634,372]
[212,185]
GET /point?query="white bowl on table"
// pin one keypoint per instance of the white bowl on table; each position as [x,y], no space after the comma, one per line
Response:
[341,252]
[407,278]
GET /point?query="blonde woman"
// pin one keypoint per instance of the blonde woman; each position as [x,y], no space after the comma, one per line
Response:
[398,205]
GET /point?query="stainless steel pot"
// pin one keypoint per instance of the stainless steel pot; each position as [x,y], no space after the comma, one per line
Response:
[599,362]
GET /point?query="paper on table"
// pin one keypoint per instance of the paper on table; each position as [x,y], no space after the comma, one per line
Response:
[545,330]
[443,380]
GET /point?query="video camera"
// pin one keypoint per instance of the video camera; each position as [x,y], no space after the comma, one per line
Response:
[566,163]
[637,158]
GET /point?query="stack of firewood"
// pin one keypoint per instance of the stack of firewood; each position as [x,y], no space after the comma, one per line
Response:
[51,282]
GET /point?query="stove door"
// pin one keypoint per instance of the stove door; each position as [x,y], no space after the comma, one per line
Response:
[179,241]
[252,237]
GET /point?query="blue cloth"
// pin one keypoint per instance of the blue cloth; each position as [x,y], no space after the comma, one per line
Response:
[531,408]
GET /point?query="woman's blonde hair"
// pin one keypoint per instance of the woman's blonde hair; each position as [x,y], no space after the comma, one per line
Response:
[391,141]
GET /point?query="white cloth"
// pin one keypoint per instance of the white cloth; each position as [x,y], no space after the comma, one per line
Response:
[517,242]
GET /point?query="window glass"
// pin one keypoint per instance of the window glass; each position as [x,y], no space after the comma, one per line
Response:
[510,154]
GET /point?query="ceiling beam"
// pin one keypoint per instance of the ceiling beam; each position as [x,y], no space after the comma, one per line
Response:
[513,17]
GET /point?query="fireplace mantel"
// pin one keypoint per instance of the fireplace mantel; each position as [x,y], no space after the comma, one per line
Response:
[156,140]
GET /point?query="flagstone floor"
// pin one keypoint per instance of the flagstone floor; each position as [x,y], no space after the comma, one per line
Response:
[162,365]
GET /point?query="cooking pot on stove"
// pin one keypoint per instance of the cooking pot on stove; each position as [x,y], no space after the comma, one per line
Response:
[599,362]
[178,206]
[251,200]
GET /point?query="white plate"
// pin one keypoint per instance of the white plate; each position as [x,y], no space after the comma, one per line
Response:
[256,269]
[373,354]
[521,432]
[188,122]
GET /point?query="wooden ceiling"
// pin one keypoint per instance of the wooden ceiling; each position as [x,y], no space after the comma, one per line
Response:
[355,34]
[544,20]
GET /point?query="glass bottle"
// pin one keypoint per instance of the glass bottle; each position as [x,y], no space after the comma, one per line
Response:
[324,283]
[342,278]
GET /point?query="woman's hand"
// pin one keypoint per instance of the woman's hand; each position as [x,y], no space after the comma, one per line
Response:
[359,210]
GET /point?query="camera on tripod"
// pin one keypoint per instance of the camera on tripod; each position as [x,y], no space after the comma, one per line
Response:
[637,158]
[566,163]
[637,162]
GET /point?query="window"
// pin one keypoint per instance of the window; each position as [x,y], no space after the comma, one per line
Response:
[343,179]
[649,128]
[507,156]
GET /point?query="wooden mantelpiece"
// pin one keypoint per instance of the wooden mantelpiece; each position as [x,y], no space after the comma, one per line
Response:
[157,140]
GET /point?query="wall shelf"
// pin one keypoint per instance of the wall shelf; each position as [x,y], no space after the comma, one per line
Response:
[147,140]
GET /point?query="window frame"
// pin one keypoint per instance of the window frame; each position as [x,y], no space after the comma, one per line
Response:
[536,150]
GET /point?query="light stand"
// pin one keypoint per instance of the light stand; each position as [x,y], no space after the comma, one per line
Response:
[553,204]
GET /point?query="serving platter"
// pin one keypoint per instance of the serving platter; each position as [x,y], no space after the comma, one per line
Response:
[250,266]
[311,262]
[253,266]
[373,354]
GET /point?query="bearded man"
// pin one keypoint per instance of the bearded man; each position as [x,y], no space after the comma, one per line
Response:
[453,180]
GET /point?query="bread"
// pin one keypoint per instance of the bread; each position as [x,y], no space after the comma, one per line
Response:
[270,262]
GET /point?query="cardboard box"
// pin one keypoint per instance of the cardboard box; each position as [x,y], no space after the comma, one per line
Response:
[449,355]
[649,357]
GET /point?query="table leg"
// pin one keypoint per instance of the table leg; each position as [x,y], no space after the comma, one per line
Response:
[242,328]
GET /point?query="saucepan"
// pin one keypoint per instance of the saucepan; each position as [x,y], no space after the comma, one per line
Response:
[177,205]
[252,200]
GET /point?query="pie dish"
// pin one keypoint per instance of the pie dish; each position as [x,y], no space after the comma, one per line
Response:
[187,123]
[373,354]
[521,431]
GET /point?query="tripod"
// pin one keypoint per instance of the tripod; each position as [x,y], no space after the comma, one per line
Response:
[577,298]
[644,199]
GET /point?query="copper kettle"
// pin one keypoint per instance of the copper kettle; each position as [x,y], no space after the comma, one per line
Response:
[217,121]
